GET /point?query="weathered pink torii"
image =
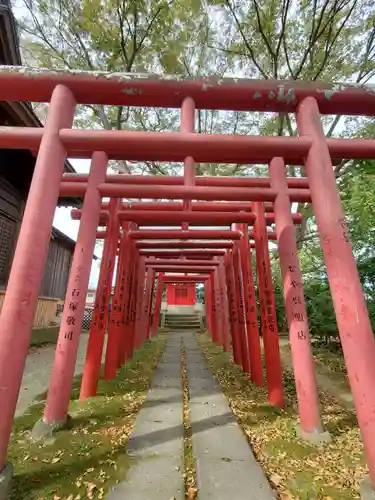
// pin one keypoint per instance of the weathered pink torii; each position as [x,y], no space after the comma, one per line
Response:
[135,279]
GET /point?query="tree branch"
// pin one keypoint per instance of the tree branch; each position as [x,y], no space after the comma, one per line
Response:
[264,37]
[245,41]
[228,51]
[284,17]
[281,120]
[100,114]
[331,42]
[289,125]
[333,125]
[122,37]
[369,54]
[147,31]
[339,169]
[120,110]
[313,38]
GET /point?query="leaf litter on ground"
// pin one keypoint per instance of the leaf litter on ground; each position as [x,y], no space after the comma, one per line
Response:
[85,461]
[295,469]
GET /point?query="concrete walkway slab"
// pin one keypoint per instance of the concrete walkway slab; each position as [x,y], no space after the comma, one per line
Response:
[156,442]
[226,466]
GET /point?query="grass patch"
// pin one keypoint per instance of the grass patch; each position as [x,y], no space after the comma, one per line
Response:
[295,469]
[330,369]
[85,461]
[190,471]
[330,361]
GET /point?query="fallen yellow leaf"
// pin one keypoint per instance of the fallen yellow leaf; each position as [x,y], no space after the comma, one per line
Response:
[192,493]
[275,479]
[90,490]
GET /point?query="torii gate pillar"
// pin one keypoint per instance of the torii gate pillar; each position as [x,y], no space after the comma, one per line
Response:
[25,278]
[303,363]
[357,339]
[58,398]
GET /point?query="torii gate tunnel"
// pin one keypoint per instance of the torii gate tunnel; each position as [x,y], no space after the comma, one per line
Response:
[219,258]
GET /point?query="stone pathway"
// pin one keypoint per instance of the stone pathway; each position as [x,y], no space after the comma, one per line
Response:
[226,467]
[38,370]
[156,442]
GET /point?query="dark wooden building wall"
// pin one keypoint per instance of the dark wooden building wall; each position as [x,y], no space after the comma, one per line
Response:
[56,270]
[15,176]
[11,210]
[16,170]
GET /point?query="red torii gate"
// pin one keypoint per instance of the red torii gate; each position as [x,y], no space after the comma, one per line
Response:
[144,217]
[175,235]
[57,141]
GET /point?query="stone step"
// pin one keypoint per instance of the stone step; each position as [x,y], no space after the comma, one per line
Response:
[174,321]
[182,322]
[183,325]
[194,321]
[182,316]
[179,320]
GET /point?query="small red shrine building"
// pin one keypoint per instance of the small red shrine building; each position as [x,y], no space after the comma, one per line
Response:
[181,294]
